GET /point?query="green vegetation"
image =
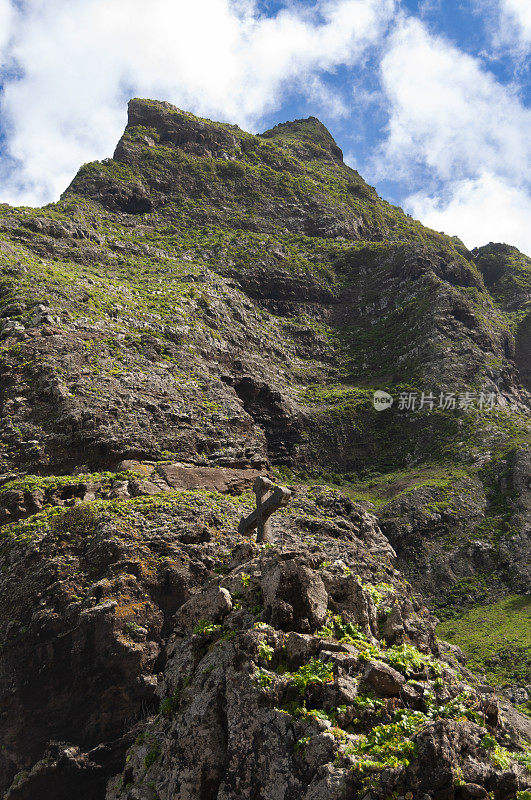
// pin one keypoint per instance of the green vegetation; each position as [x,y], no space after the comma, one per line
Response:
[263,678]
[51,483]
[387,745]
[496,639]
[81,519]
[410,661]
[152,755]
[348,633]
[502,758]
[265,651]
[206,628]
[170,704]
[314,672]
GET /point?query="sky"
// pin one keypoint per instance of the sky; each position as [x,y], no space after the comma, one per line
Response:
[429,99]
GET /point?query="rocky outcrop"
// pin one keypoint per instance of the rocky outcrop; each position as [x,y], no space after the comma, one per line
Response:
[133,479]
[89,593]
[248,711]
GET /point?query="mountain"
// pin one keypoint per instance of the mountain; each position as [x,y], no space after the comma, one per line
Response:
[205,307]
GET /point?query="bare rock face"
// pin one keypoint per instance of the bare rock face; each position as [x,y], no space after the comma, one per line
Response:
[211,606]
[294,596]
[346,592]
[383,679]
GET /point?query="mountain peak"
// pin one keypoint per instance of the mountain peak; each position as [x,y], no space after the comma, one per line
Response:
[306,131]
[305,136]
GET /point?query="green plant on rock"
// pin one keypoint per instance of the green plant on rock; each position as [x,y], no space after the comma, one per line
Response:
[152,755]
[386,745]
[263,626]
[330,715]
[301,743]
[346,632]
[170,704]
[206,628]
[262,678]
[524,758]
[408,660]
[265,651]
[314,672]
[367,701]
[463,706]
[81,519]
[499,755]
[378,592]
[459,778]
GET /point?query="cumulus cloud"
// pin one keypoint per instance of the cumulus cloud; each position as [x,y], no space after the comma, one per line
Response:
[519,13]
[7,14]
[78,60]
[454,126]
[509,24]
[478,210]
[447,112]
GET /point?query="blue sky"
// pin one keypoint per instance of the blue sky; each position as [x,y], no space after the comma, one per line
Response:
[429,100]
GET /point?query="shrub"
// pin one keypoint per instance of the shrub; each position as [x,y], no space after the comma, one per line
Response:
[265,651]
[206,628]
[315,671]
[80,519]
[152,755]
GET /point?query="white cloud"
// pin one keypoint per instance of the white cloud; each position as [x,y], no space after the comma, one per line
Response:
[7,15]
[72,64]
[453,125]
[79,59]
[520,10]
[478,211]
[515,23]
[447,112]
[508,23]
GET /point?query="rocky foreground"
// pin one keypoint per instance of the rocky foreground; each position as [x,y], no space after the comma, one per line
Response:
[174,658]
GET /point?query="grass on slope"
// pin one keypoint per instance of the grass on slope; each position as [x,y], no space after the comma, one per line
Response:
[495,638]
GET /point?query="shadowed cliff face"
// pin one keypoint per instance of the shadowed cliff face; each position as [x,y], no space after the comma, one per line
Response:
[204,307]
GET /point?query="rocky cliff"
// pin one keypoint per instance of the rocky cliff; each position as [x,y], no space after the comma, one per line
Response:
[202,308]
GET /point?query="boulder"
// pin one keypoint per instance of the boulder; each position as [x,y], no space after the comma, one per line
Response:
[213,605]
[295,596]
[356,605]
[393,626]
[342,692]
[383,679]
[300,648]
[472,790]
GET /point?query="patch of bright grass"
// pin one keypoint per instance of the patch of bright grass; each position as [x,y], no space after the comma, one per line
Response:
[495,638]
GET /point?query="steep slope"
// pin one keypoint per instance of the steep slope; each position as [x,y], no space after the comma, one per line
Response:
[205,306]
[507,274]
